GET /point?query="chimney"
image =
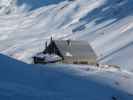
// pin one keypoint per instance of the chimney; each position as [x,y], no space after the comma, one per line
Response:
[69,42]
[46,45]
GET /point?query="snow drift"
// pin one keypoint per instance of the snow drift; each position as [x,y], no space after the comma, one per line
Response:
[22,81]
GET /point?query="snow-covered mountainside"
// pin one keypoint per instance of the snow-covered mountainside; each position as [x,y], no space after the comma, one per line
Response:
[106,24]
[7,7]
[19,81]
[25,25]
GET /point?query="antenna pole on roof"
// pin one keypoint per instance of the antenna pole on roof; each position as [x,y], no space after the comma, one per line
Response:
[51,39]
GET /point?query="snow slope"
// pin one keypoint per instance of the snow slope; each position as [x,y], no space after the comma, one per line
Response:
[106,24]
[25,25]
[19,81]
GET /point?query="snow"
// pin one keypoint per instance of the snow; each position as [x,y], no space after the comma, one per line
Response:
[92,20]
[48,57]
[23,81]
[25,27]
[68,54]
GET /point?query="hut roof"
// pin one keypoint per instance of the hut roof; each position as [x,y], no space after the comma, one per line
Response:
[75,48]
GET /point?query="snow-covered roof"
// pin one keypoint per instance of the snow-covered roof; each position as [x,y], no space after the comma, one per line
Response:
[75,48]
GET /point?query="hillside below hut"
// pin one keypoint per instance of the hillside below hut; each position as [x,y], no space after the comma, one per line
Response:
[67,51]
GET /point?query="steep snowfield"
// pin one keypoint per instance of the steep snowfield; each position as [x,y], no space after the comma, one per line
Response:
[106,24]
[19,81]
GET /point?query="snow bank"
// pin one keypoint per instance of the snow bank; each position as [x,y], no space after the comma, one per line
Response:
[22,81]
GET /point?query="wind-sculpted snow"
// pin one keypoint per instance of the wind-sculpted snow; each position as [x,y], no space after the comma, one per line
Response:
[7,7]
[34,4]
[106,24]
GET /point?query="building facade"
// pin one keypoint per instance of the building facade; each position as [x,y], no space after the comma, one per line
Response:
[72,52]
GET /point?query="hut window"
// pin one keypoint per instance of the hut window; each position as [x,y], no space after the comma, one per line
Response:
[83,62]
[75,62]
